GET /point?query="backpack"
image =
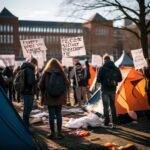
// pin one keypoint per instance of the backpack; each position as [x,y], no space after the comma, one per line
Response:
[111,77]
[19,80]
[79,73]
[56,85]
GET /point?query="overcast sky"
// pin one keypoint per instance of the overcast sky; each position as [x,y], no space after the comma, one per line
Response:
[46,10]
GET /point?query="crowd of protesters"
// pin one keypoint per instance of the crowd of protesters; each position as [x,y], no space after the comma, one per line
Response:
[52,85]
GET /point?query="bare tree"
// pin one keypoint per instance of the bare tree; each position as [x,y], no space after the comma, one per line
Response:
[138,11]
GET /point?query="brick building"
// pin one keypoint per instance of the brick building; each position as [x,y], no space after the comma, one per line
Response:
[98,34]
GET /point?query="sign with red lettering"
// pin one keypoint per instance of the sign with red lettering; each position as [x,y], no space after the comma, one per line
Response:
[73,46]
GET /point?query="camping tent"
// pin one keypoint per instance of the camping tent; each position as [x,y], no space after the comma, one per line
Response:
[130,95]
[124,60]
[13,134]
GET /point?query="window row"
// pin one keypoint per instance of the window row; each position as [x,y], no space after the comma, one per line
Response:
[52,30]
[102,31]
[7,50]
[6,39]
[47,39]
[6,28]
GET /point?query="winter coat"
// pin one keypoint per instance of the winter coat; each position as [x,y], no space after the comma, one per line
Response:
[79,77]
[46,98]
[101,78]
[30,81]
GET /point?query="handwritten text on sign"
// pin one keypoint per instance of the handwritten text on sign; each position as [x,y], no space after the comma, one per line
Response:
[32,46]
[138,58]
[73,46]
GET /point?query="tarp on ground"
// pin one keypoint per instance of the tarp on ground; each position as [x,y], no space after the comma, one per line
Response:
[13,134]
[130,95]
[124,60]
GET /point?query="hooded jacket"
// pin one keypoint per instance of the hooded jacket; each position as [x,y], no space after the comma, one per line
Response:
[30,81]
[101,78]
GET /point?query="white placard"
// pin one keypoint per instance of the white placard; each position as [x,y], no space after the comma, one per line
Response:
[138,58]
[97,60]
[73,46]
[2,64]
[34,48]
[68,62]
[9,60]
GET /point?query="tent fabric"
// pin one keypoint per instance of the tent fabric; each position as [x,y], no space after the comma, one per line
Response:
[13,134]
[130,95]
[124,60]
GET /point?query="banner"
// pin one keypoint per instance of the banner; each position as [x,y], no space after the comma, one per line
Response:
[73,46]
[34,48]
[138,58]
[97,60]
[8,60]
[68,62]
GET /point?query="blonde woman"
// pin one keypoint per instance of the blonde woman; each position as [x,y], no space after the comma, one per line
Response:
[54,85]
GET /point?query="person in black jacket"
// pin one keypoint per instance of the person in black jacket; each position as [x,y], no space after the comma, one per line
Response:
[28,90]
[3,84]
[109,76]
[8,74]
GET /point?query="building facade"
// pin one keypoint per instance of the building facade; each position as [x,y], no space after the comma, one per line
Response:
[97,32]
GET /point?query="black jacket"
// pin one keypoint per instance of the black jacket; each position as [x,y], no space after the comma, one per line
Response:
[30,81]
[101,78]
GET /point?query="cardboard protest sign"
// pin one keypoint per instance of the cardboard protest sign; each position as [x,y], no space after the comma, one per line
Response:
[73,46]
[2,64]
[97,60]
[138,58]
[68,62]
[9,60]
[34,48]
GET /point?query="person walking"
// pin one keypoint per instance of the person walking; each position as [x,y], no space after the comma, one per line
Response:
[53,85]
[109,76]
[27,90]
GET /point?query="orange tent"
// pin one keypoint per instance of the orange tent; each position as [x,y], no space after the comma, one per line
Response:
[131,95]
[93,74]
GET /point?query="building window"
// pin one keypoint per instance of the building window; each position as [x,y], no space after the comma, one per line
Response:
[1,39]
[11,39]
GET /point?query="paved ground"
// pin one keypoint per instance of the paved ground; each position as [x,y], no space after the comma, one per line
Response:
[137,134]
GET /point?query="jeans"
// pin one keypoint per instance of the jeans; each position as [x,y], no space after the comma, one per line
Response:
[28,103]
[108,99]
[55,113]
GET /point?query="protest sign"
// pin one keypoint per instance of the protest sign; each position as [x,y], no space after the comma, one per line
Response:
[34,48]
[73,46]
[68,62]
[9,60]
[2,64]
[97,60]
[138,58]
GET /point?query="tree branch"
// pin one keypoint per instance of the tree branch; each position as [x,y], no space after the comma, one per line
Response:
[135,33]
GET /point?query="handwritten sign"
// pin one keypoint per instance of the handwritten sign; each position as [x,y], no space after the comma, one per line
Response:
[73,46]
[9,60]
[138,58]
[97,60]
[34,48]
[68,62]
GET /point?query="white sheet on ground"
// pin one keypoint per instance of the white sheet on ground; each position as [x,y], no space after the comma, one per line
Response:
[90,120]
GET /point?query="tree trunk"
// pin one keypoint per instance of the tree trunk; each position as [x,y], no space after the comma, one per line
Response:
[143,28]
[144,42]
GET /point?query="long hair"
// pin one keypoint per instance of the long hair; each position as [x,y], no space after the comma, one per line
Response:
[55,64]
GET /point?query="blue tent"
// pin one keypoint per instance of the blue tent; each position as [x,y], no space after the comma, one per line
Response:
[124,60]
[13,134]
